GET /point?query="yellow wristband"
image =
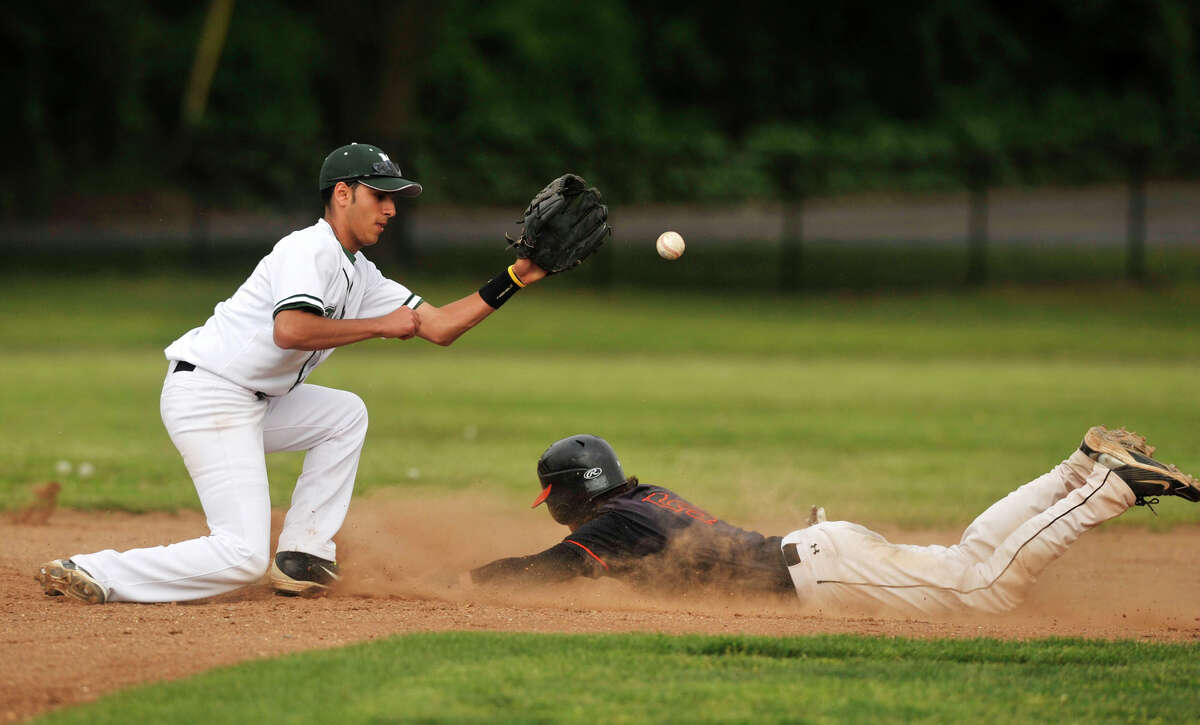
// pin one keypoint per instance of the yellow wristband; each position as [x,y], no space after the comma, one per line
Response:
[513,273]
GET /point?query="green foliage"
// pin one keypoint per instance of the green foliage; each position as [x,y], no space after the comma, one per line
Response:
[651,101]
[507,99]
[499,678]
[100,92]
[262,134]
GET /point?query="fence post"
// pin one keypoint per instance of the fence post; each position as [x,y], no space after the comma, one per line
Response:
[602,264]
[200,236]
[791,253]
[791,242]
[978,173]
[1135,268]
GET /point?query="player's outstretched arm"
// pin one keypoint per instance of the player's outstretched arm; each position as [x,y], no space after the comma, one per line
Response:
[443,325]
[303,330]
[556,564]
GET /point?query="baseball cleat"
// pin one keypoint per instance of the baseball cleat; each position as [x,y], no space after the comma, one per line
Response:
[816,515]
[1128,455]
[63,576]
[294,573]
[1118,436]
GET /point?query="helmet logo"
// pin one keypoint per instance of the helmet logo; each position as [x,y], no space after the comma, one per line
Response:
[592,473]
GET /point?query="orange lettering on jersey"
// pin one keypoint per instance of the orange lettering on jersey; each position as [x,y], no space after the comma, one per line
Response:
[679,506]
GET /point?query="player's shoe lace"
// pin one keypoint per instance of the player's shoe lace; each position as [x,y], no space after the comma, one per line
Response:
[1128,455]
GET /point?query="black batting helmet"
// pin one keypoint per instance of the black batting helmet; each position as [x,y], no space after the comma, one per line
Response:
[574,472]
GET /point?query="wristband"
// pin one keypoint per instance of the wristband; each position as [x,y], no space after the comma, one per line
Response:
[500,288]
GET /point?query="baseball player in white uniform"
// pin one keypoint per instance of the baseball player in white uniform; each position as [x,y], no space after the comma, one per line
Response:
[235,390]
[652,537]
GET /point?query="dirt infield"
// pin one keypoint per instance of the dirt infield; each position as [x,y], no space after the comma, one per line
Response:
[1117,583]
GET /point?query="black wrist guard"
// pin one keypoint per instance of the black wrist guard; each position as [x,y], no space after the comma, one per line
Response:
[500,288]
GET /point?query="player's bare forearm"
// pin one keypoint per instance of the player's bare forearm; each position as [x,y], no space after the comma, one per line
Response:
[443,325]
[301,330]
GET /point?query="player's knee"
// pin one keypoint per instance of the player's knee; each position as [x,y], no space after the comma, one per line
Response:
[253,566]
[247,562]
[356,414]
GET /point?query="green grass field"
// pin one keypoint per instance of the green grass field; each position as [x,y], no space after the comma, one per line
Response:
[502,678]
[910,410]
[915,410]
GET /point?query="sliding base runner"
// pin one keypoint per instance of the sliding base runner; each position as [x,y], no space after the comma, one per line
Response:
[653,537]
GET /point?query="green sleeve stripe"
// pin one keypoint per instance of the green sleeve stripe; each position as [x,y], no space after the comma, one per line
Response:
[316,301]
[300,306]
[419,303]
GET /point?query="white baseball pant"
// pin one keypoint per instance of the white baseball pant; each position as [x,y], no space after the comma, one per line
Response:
[223,431]
[844,566]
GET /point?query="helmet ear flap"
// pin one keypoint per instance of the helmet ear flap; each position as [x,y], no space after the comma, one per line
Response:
[575,471]
[567,501]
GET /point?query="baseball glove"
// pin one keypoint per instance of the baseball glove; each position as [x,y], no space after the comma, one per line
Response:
[564,224]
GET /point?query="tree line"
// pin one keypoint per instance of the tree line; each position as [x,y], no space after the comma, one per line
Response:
[484,102]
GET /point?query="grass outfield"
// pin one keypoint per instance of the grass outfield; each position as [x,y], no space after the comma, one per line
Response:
[918,410]
[911,410]
[496,678]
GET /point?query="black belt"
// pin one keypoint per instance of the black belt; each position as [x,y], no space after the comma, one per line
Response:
[791,554]
[183,366]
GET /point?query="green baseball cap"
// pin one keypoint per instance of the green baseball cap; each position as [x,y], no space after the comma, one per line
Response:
[367,165]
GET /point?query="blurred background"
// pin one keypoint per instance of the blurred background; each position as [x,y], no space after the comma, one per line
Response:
[795,145]
[929,243]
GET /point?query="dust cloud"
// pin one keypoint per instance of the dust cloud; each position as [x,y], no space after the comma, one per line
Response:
[405,546]
[416,547]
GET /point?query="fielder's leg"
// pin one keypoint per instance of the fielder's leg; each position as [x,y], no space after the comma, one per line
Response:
[331,426]
[217,427]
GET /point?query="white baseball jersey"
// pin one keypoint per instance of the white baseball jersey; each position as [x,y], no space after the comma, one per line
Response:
[307,269]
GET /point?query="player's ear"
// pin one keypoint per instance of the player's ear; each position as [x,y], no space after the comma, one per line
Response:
[343,195]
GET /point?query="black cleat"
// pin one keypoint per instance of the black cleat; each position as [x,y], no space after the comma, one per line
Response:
[296,573]
[1127,455]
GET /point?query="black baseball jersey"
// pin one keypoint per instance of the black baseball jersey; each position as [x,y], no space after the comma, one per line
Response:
[652,537]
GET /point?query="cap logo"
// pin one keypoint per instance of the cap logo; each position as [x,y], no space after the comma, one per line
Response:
[592,473]
[385,166]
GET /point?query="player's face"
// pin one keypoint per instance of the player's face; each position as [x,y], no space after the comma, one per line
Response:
[369,212]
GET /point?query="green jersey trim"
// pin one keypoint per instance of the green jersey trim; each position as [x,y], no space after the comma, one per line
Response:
[300,300]
[306,306]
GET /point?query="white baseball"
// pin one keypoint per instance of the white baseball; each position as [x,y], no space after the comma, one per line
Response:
[670,245]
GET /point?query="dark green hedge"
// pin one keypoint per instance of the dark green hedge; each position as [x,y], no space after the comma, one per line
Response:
[669,100]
